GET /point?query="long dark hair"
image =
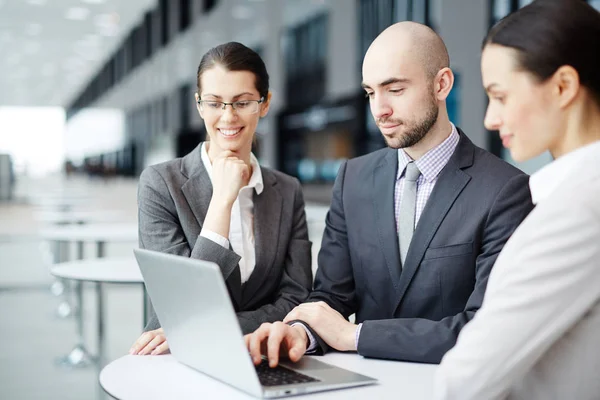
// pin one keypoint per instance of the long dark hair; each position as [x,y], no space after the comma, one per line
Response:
[548,34]
[234,56]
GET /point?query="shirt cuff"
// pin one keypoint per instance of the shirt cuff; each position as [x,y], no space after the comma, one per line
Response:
[357,335]
[215,237]
[312,347]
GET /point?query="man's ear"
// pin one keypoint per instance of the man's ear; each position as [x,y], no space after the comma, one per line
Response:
[444,81]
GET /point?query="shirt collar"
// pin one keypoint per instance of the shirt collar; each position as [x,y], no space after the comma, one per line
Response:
[432,162]
[565,169]
[256,180]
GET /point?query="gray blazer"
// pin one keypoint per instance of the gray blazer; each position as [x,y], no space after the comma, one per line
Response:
[173,198]
[415,313]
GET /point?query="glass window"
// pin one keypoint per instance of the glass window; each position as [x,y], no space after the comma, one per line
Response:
[401,10]
[184,14]
[419,11]
[500,9]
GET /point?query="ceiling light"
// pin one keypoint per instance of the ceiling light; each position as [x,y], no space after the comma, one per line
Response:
[77,13]
[33,29]
[94,1]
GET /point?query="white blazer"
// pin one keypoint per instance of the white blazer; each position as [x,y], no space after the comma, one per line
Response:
[537,334]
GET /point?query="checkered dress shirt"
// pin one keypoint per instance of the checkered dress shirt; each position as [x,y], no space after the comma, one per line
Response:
[430,165]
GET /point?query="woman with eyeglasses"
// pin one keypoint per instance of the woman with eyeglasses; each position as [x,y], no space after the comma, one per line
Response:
[537,334]
[218,204]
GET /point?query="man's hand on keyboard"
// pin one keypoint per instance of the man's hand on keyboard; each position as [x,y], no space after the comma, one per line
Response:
[277,340]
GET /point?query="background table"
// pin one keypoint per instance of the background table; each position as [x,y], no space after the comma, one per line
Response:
[99,234]
[78,216]
[105,270]
[162,377]
[61,248]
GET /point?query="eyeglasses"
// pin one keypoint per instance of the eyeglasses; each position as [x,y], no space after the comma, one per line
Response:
[242,107]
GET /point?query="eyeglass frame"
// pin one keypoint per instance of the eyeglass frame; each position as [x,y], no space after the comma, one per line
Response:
[225,104]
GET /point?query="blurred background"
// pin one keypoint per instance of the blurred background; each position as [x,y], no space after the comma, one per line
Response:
[92,91]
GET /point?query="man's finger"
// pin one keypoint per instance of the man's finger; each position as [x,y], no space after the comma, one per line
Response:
[297,350]
[277,335]
[255,340]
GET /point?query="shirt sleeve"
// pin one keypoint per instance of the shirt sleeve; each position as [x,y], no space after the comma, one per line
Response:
[312,346]
[357,337]
[215,237]
[544,281]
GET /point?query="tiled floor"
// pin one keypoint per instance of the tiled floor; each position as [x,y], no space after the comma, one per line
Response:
[32,336]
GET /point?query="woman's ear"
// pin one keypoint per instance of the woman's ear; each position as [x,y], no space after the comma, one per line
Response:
[566,81]
[197,98]
[266,104]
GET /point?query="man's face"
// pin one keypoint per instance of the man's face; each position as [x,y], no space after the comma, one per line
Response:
[400,94]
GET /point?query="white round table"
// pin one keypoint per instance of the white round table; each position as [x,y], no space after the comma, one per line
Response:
[60,249]
[105,270]
[162,377]
[78,217]
[98,233]
[95,233]
[108,270]
[57,202]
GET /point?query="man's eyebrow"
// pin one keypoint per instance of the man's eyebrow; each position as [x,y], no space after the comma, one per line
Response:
[387,82]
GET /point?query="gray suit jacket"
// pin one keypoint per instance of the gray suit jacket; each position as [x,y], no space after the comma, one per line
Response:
[415,313]
[173,198]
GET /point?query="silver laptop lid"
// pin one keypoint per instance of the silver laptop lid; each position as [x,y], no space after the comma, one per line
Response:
[192,303]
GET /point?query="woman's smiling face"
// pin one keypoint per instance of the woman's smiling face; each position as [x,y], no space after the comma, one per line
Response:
[230,129]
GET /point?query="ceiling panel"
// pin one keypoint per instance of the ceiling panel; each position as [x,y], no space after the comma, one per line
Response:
[52,48]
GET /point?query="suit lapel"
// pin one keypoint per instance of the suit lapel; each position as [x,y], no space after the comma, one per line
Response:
[197,191]
[450,184]
[384,183]
[267,217]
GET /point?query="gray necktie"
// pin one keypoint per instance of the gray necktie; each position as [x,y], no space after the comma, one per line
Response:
[407,209]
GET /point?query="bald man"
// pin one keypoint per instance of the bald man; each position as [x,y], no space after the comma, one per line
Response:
[413,230]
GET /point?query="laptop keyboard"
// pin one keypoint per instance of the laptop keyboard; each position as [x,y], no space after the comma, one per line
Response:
[280,375]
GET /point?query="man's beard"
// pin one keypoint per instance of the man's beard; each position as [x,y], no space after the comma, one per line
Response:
[414,133]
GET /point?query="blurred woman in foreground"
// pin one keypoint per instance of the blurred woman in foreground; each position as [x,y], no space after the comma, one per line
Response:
[537,333]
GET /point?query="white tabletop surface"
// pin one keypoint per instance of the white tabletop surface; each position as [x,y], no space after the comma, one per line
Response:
[113,270]
[122,232]
[162,377]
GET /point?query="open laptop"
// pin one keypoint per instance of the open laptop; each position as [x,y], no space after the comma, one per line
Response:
[192,303]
